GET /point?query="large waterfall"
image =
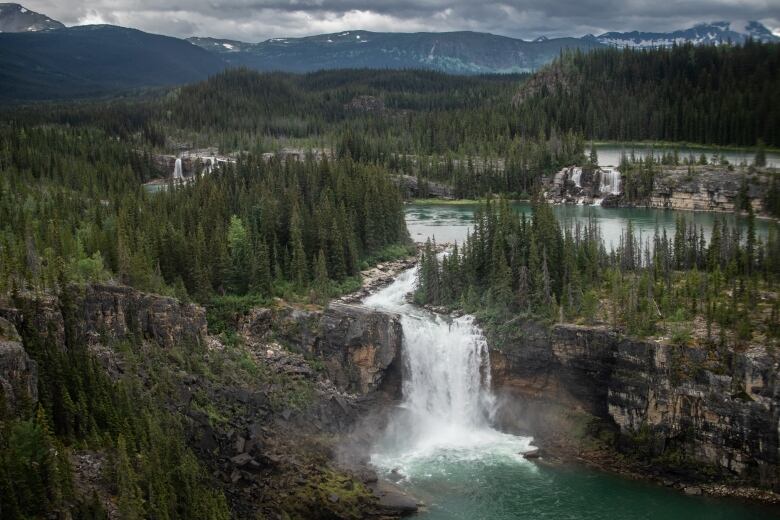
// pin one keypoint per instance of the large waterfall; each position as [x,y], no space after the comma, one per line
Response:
[447,398]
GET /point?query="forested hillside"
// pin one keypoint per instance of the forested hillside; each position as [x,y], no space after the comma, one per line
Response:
[259,226]
[723,95]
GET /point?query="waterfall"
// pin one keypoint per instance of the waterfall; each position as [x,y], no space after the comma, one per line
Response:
[177,170]
[448,402]
[576,176]
[610,181]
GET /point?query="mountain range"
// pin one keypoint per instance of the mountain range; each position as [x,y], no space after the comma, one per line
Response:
[40,58]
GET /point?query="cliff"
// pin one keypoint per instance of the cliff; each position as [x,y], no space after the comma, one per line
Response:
[707,188]
[698,413]
[694,188]
[263,411]
[359,348]
[18,373]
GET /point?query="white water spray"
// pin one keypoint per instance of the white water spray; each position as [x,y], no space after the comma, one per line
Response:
[448,403]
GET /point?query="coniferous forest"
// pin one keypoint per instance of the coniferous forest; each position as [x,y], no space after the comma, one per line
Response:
[263,229]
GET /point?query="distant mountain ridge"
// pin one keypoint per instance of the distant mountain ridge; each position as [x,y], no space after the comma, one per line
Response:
[460,52]
[94,60]
[715,33]
[16,18]
[40,58]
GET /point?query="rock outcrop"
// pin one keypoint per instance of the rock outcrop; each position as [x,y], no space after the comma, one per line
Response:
[120,311]
[413,189]
[359,348]
[110,312]
[708,188]
[718,414]
[18,373]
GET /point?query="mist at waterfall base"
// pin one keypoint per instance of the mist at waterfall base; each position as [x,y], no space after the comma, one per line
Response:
[440,443]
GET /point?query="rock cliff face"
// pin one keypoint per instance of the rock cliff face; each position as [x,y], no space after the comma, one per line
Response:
[111,312]
[700,188]
[359,348]
[663,401]
[119,311]
[18,373]
[412,188]
[710,188]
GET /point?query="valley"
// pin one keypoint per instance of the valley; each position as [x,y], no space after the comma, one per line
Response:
[368,274]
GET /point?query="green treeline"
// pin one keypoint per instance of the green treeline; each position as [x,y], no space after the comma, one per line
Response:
[516,266]
[705,94]
[72,207]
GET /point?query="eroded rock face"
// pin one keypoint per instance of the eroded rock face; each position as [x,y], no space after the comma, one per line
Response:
[710,188]
[120,311]
[359,348]
[18,373]
[722,414]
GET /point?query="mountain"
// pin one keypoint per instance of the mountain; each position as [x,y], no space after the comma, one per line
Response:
[453,52]
[93,60]
[15,18]
[715,33]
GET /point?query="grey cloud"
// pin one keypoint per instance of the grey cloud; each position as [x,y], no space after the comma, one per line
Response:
[255,20]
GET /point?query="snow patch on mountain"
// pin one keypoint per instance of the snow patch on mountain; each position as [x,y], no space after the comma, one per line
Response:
[17,18]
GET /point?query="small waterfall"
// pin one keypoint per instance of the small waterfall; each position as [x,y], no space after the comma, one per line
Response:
[448,402]
[177,170]
[576,176]
[610,181]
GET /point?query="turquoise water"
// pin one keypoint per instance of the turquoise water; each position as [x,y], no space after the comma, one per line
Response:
[477,473]
[514,489]
[450,223]
[609,154]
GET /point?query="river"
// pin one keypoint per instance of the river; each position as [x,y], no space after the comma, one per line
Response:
[609,154]
[447,223]
[441,444]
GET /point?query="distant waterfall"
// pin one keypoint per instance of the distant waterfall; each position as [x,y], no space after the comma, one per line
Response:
[177,170]
[610,181]
[576,176]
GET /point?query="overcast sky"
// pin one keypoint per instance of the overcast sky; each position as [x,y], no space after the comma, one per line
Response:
[257,20]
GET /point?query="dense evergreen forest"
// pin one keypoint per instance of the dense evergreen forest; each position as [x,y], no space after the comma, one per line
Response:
[533,268]
[722,95]
[265,227]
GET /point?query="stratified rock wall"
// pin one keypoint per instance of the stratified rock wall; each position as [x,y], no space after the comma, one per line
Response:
[719,409]
[358,347]
[18,373]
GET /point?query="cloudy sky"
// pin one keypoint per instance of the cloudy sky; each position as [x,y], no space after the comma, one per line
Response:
[256,20]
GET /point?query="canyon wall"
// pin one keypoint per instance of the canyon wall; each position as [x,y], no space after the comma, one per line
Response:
[718,413]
